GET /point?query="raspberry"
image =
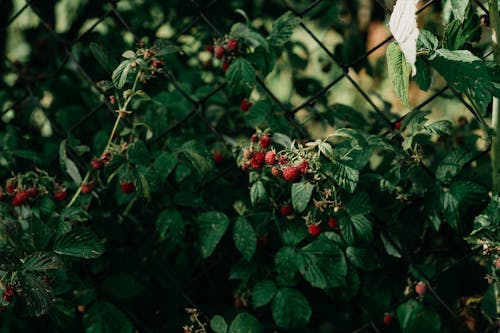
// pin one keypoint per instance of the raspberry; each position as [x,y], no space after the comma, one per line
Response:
[270,157]
[81,308]
[265,141]
[106,157]
[8,293]
[286,210]
[388,319]
[218,158]
[127,187]
[276,172]
[254,138]
[20,198]
[60,196]
[497,263]
[282,160]
[292,174]
[258,160]
[397,125]
[87,188]
[97,164]
[219,51]
[112,100]
[245,105]
[209,48]
[10,187]
[32,192]
[225,66]
[232,45]
[157,63]
[303,166]
[421,288]
[332,222]
[314,230]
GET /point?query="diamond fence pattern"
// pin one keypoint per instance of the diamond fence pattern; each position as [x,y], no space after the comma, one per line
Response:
[199,14]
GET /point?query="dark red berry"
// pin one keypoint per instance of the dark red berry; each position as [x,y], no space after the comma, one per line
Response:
[20,198]
[225,66]
[127,187]
[209,48]
[291,174]
[9,293]
[421,288]
[112,100]
[271,157]
[32,192]
[397,125]
[497,263]
[60,196]
[87,188]
[219,51]
[282,160]
[286,210]
[232,45]
[388,318]
[157,63]
[257,160]
[97,164]
[276,172]
[218,158]
[314,230]
[245,105]
[303,166]
[81,308]
[10,187]
[237,302]
[265,141]
[332,222]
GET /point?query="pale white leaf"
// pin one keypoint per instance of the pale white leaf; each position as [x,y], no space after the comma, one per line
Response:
[403,26]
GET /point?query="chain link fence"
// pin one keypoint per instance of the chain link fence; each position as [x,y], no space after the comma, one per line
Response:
[55,64]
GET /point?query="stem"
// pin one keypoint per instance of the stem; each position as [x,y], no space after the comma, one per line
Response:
[495,124]
[77,193]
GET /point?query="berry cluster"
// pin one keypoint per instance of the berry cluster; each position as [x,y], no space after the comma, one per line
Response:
[226,50]
[257,155]
[9,293]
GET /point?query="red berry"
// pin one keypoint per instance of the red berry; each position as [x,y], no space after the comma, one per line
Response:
[20,198]
[388,319]
[497,263]
[421,288]
[157,63]
[8,293]
[232,45]
[87,188]
[314,230]
[112,100]
[10,187]
[276,172]
[332,222]
[218,158]
[32,192]
[292,174]
[60,196]
[209,48]
[257,160]
[237,302]
[97,164]
[271,157]
[282,160]
[225,66]
[81,308]
[245,105]
[303,166]
[397,125]
[219,51]
[286,210]
[265,141]
[127,187]
[254,138]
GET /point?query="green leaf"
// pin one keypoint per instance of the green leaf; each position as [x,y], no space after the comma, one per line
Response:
[451,164]
[198,155]
[129,54]
[81,243]
[459,8]
[119,76]
[36,293]
[440,127]
[356,229]
[322,264]
[345,176]
[255,39]
[245,323]
[282,29]
[301,195]
[165,164]
[104,317]
[138,153]
[294,234]
[245,238]
[459,33]
[218,324]
[170,226]
[263,292]
[258,193]
[427,41]
[466,73]
[102,56]
[240,76]
[258,113]
[415,317]
[290,308]
[68,165]
[163,47]
[264,60]
[41,261]
[122,285]
[116,162]
[285,262]
[423,76]
[363,258]
[399,72]
[359,204]
[211,227]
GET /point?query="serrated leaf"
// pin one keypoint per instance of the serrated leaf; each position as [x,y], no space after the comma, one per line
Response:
[403,26]
[245,238]
[399,72]
[427,41]
[390,247]
[359,204]
[198,155]
[466,73]
[37,295]
[138,153]
[285,262]
[165,164]
[104,317]
[245,323]
[459,8]
[241,76]
[415,317]
[218,324]
[451,164]
[301,195]
[81,243]
[264,60]
[282,29]
[170,226]
[356,229]
[211,227]
[322,264]
[363,258]
[290,308]
[129,54]
[345,176]
[119,76]
[263,292]
[440,127]
[423,76]
[258,193]
[41,261]
[68,165]
[258,113]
